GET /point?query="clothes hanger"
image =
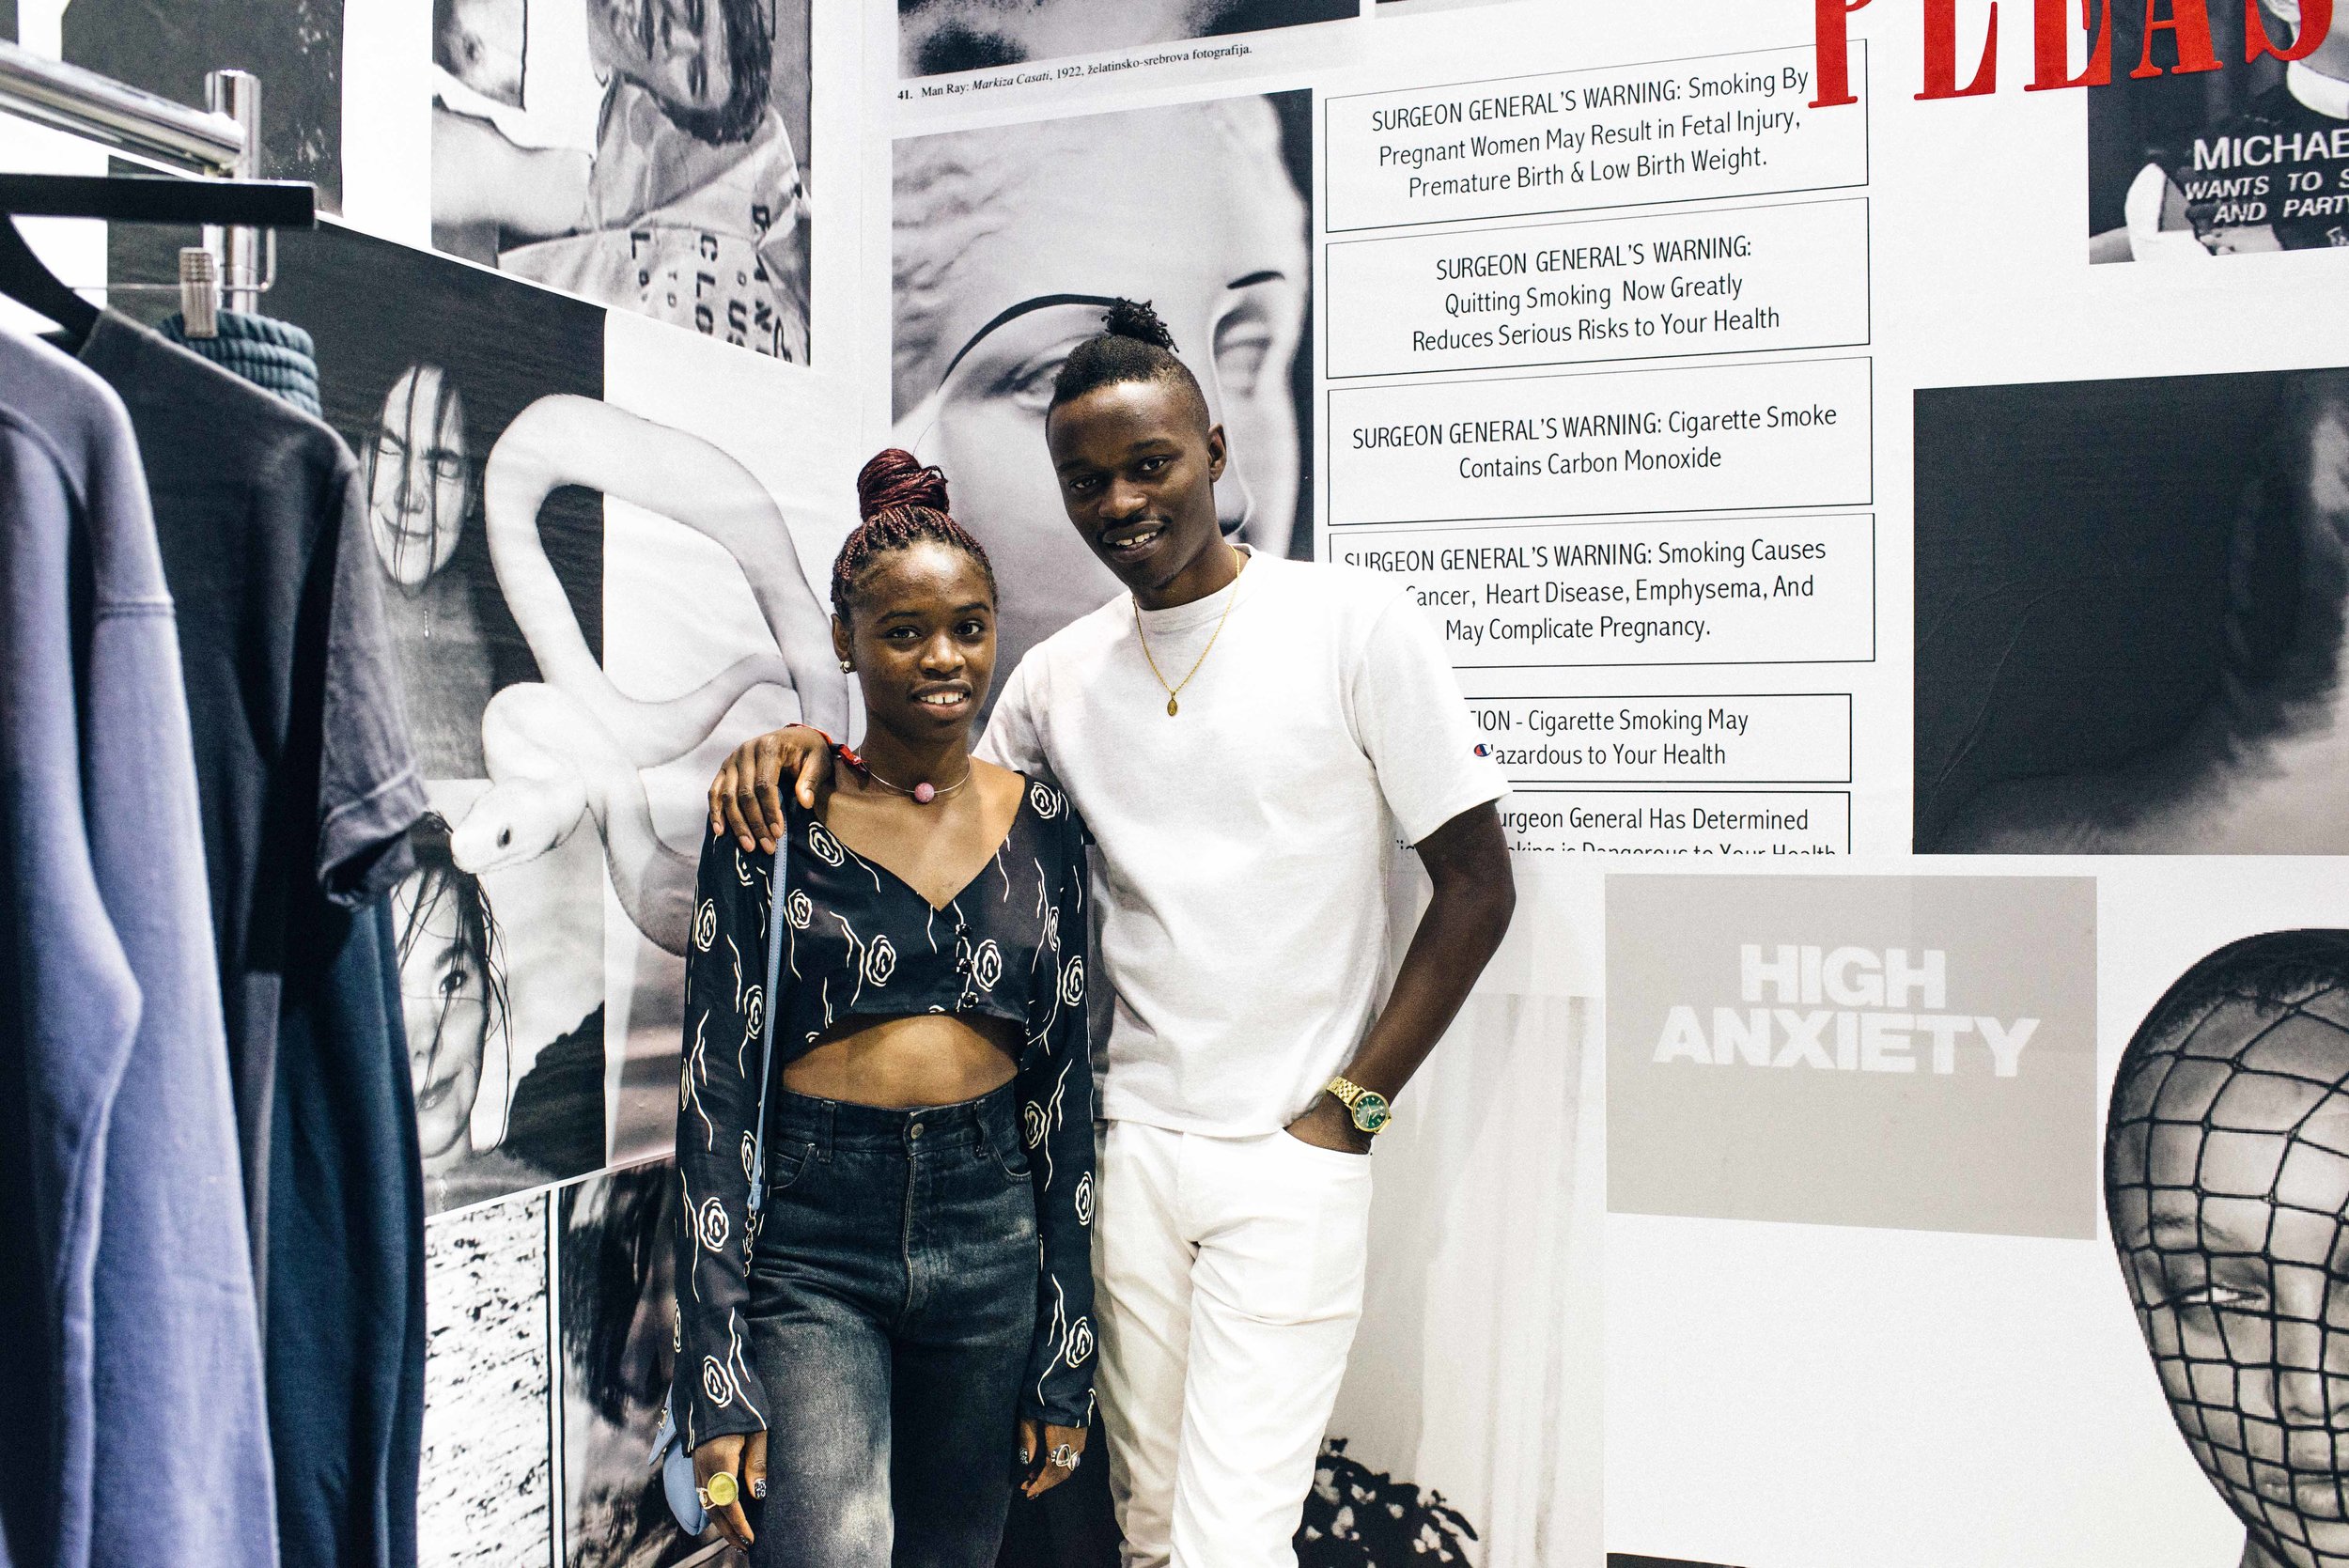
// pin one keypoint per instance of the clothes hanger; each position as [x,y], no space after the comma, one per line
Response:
[23,278]
[119,198]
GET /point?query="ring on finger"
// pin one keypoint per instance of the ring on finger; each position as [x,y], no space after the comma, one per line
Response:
[1065,1457]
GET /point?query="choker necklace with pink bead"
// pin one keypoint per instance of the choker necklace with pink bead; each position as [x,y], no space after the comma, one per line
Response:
[920,794]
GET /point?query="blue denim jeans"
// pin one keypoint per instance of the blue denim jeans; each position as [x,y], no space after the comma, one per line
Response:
[893,1304]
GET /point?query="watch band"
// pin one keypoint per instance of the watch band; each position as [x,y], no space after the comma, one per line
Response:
[1351,1095]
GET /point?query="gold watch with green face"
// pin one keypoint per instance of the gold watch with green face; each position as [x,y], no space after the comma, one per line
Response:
[1367,1107]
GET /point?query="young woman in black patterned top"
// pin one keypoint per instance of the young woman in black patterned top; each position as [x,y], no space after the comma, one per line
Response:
[913,1305]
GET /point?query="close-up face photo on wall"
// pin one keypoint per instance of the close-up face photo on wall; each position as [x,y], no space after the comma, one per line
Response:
[935,37]
[452,987]
[420,477]
[483,1128]
[2227,1184]
[1011,242]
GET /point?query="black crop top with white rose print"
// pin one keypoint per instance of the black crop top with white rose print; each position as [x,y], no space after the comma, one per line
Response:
[859,941]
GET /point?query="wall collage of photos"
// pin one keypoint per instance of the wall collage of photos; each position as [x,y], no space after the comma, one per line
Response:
[1897,548]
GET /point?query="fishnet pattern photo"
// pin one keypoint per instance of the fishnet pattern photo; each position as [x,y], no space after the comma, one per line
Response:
[2227,1184]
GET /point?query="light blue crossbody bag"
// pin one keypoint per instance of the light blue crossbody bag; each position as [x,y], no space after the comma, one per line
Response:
[669,1452]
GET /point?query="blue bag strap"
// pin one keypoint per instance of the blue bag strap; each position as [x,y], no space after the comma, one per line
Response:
[776,915]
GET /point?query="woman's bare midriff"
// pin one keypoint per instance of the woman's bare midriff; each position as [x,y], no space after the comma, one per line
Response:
[905,1063]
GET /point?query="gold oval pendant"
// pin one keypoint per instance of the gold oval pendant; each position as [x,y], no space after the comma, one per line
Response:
[1170,708]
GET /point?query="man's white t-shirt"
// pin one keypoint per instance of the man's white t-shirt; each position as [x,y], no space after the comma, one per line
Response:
[1245,842]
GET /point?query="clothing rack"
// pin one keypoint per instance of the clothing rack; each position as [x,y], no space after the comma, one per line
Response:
[131,120]
[263,203]
[239,214]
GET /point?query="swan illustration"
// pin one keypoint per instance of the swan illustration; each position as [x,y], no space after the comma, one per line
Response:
[554,765]
[573,747]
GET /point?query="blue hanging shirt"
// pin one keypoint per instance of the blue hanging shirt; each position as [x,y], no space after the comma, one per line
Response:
[136,1436]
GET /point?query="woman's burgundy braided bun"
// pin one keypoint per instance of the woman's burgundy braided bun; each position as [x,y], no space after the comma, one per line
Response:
[902,500]
[898,478]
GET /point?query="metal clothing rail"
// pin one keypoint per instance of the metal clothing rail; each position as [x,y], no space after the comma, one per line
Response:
[258,203]
[141,124]
[240,216]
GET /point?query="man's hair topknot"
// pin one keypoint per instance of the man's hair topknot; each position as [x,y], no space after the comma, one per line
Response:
[1133,345]
[1134,318]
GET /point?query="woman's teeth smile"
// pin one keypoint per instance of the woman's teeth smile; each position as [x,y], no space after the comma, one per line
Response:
[941,699]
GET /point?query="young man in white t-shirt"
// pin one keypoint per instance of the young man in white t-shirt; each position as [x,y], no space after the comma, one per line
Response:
[1247,737]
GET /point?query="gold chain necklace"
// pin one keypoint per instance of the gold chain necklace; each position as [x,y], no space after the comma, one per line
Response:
[1176,689]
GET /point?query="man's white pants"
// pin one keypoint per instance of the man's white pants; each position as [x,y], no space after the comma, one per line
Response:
[1230,1273]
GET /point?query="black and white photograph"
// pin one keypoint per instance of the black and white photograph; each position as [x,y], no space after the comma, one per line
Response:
[647,154]
[1009,244]
[486,1497]
[295,47]
[426,369]
[2130,610]
[2230,153]
[2226,1165]
[936,37]
[617,1284]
